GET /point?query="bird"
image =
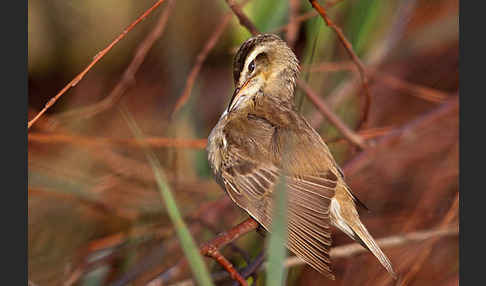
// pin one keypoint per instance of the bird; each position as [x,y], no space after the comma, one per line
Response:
[261,136]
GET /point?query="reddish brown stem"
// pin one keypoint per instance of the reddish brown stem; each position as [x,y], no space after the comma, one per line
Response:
[323,108]
[210,248]
[128,78]
[214,253]
[423,92]
[244,21]
[201,57]
[228,236]
[155,142]
[420,260]
[366,134]
[191,78]
[97,57]
[304,17]
[293,26]
[349,134]
[349,49]
[301,18]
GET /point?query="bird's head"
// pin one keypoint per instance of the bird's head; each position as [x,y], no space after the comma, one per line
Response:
[264,64]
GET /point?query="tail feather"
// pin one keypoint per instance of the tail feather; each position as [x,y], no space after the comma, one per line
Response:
[361,234]
[349,223]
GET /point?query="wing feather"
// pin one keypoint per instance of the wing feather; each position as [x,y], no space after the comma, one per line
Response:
[309,198]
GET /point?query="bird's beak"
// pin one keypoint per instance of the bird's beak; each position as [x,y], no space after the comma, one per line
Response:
[236,95]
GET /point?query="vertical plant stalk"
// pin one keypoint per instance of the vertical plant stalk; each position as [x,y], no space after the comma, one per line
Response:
[349,49]
[189,247]
[221,240]
[293,25]
[326,111]
[277,251]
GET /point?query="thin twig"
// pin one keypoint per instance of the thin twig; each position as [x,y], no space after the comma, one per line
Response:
[366,134]
[375,58]
[352,249]
[423,92]
[252,267]
[128,78]
[97,57]
[95,205]
[301,18]
[349,134]
[214,253]
[420,260]
[201,57]
[120,164]
[235,248]
[293,25]
[228,236]
[211,249]
[155,142]
[218,242]
[304,17]
[244,20]
[349,49]
[86,266]
[323,108]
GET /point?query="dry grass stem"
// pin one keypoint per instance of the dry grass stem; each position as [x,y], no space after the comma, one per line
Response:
[352,249]
[293,25]
[366,134]
[420,260]
[97,57]
[201,57]
[244,20]
[349,49]
[349,134]
[128,78]
[209,249]
[333,118]
[423,92]
[154,142]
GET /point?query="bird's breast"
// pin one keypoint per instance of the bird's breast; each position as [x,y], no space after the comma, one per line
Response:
[216,146]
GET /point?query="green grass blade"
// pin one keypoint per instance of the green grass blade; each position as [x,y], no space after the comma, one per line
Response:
[277,251]
[364,16]
[188,245]
[268,14]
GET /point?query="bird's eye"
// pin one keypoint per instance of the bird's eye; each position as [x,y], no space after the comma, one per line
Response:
[251,66]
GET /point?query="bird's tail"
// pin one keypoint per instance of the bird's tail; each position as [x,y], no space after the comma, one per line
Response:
[361,234]
[350,224]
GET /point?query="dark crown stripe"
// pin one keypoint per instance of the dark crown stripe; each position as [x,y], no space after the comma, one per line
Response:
[246,48]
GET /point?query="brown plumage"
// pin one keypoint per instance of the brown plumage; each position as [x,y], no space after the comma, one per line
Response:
[261,136]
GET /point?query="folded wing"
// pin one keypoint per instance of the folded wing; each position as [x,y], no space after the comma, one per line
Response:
[252,186]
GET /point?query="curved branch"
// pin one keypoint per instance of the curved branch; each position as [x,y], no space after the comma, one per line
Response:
[349,49]
[97,57]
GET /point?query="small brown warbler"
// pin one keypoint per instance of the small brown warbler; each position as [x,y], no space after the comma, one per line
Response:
[261,127]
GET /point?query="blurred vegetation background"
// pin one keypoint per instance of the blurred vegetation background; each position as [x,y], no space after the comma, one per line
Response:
[95,214]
